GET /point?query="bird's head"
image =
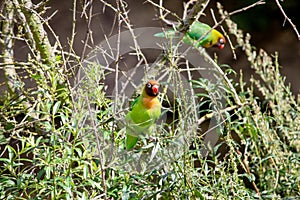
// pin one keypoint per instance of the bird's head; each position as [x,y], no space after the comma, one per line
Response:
[152,88]
[220,40]
[221,43]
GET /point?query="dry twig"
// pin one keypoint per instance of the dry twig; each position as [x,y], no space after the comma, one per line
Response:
[288,19]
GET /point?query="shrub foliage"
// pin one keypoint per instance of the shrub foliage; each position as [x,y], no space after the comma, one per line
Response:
[52,132]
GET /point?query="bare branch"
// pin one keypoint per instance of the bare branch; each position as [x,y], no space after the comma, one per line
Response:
[7,44]
[101,160]
[225,34]
[194,14]
[35,30]
[247,170]
[162,15]
[211,115]
[260,2]
[88,37]
[219,70]
[288,19]
[186,7]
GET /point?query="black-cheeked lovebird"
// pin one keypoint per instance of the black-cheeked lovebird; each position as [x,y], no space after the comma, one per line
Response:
[145,110]
[200,33]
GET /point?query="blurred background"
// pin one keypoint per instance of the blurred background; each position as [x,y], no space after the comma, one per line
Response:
[265,23]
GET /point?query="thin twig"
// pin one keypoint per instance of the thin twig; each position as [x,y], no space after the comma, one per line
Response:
[186,6]
[277,173]
[288,19]
[96,132]
[260,2]
[247,170]
[117,65]
[192,91]
[211,115]
[73,32]
[161,9]
[217,67]
[225,33]
[88,36]
[194,14]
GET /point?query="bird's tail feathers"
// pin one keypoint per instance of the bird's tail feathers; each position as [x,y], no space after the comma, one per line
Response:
[167,34]
[130,141]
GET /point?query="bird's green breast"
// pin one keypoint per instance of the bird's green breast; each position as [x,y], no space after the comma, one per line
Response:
[143,116]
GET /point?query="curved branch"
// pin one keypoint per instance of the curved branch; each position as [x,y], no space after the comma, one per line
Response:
[10,73]
[288,19]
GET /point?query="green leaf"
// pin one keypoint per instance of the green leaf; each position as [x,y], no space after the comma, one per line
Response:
[9,126]
[35,76]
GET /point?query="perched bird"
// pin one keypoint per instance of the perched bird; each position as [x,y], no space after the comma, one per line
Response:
[200,33]
[145,110]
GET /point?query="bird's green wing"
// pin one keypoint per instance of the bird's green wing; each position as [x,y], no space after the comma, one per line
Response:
[135,126]
[197,30]
[138,120]
[134,102]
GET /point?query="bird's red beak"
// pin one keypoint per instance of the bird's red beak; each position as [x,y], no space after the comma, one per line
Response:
[221,43]
[155,89]
[221,46]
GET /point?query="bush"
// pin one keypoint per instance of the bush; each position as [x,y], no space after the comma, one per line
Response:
[56,137]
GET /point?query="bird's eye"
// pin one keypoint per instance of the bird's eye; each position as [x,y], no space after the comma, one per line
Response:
[221,41]
[149,85]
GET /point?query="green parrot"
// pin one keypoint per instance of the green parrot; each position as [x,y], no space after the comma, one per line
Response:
[145,110]
[213,37]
